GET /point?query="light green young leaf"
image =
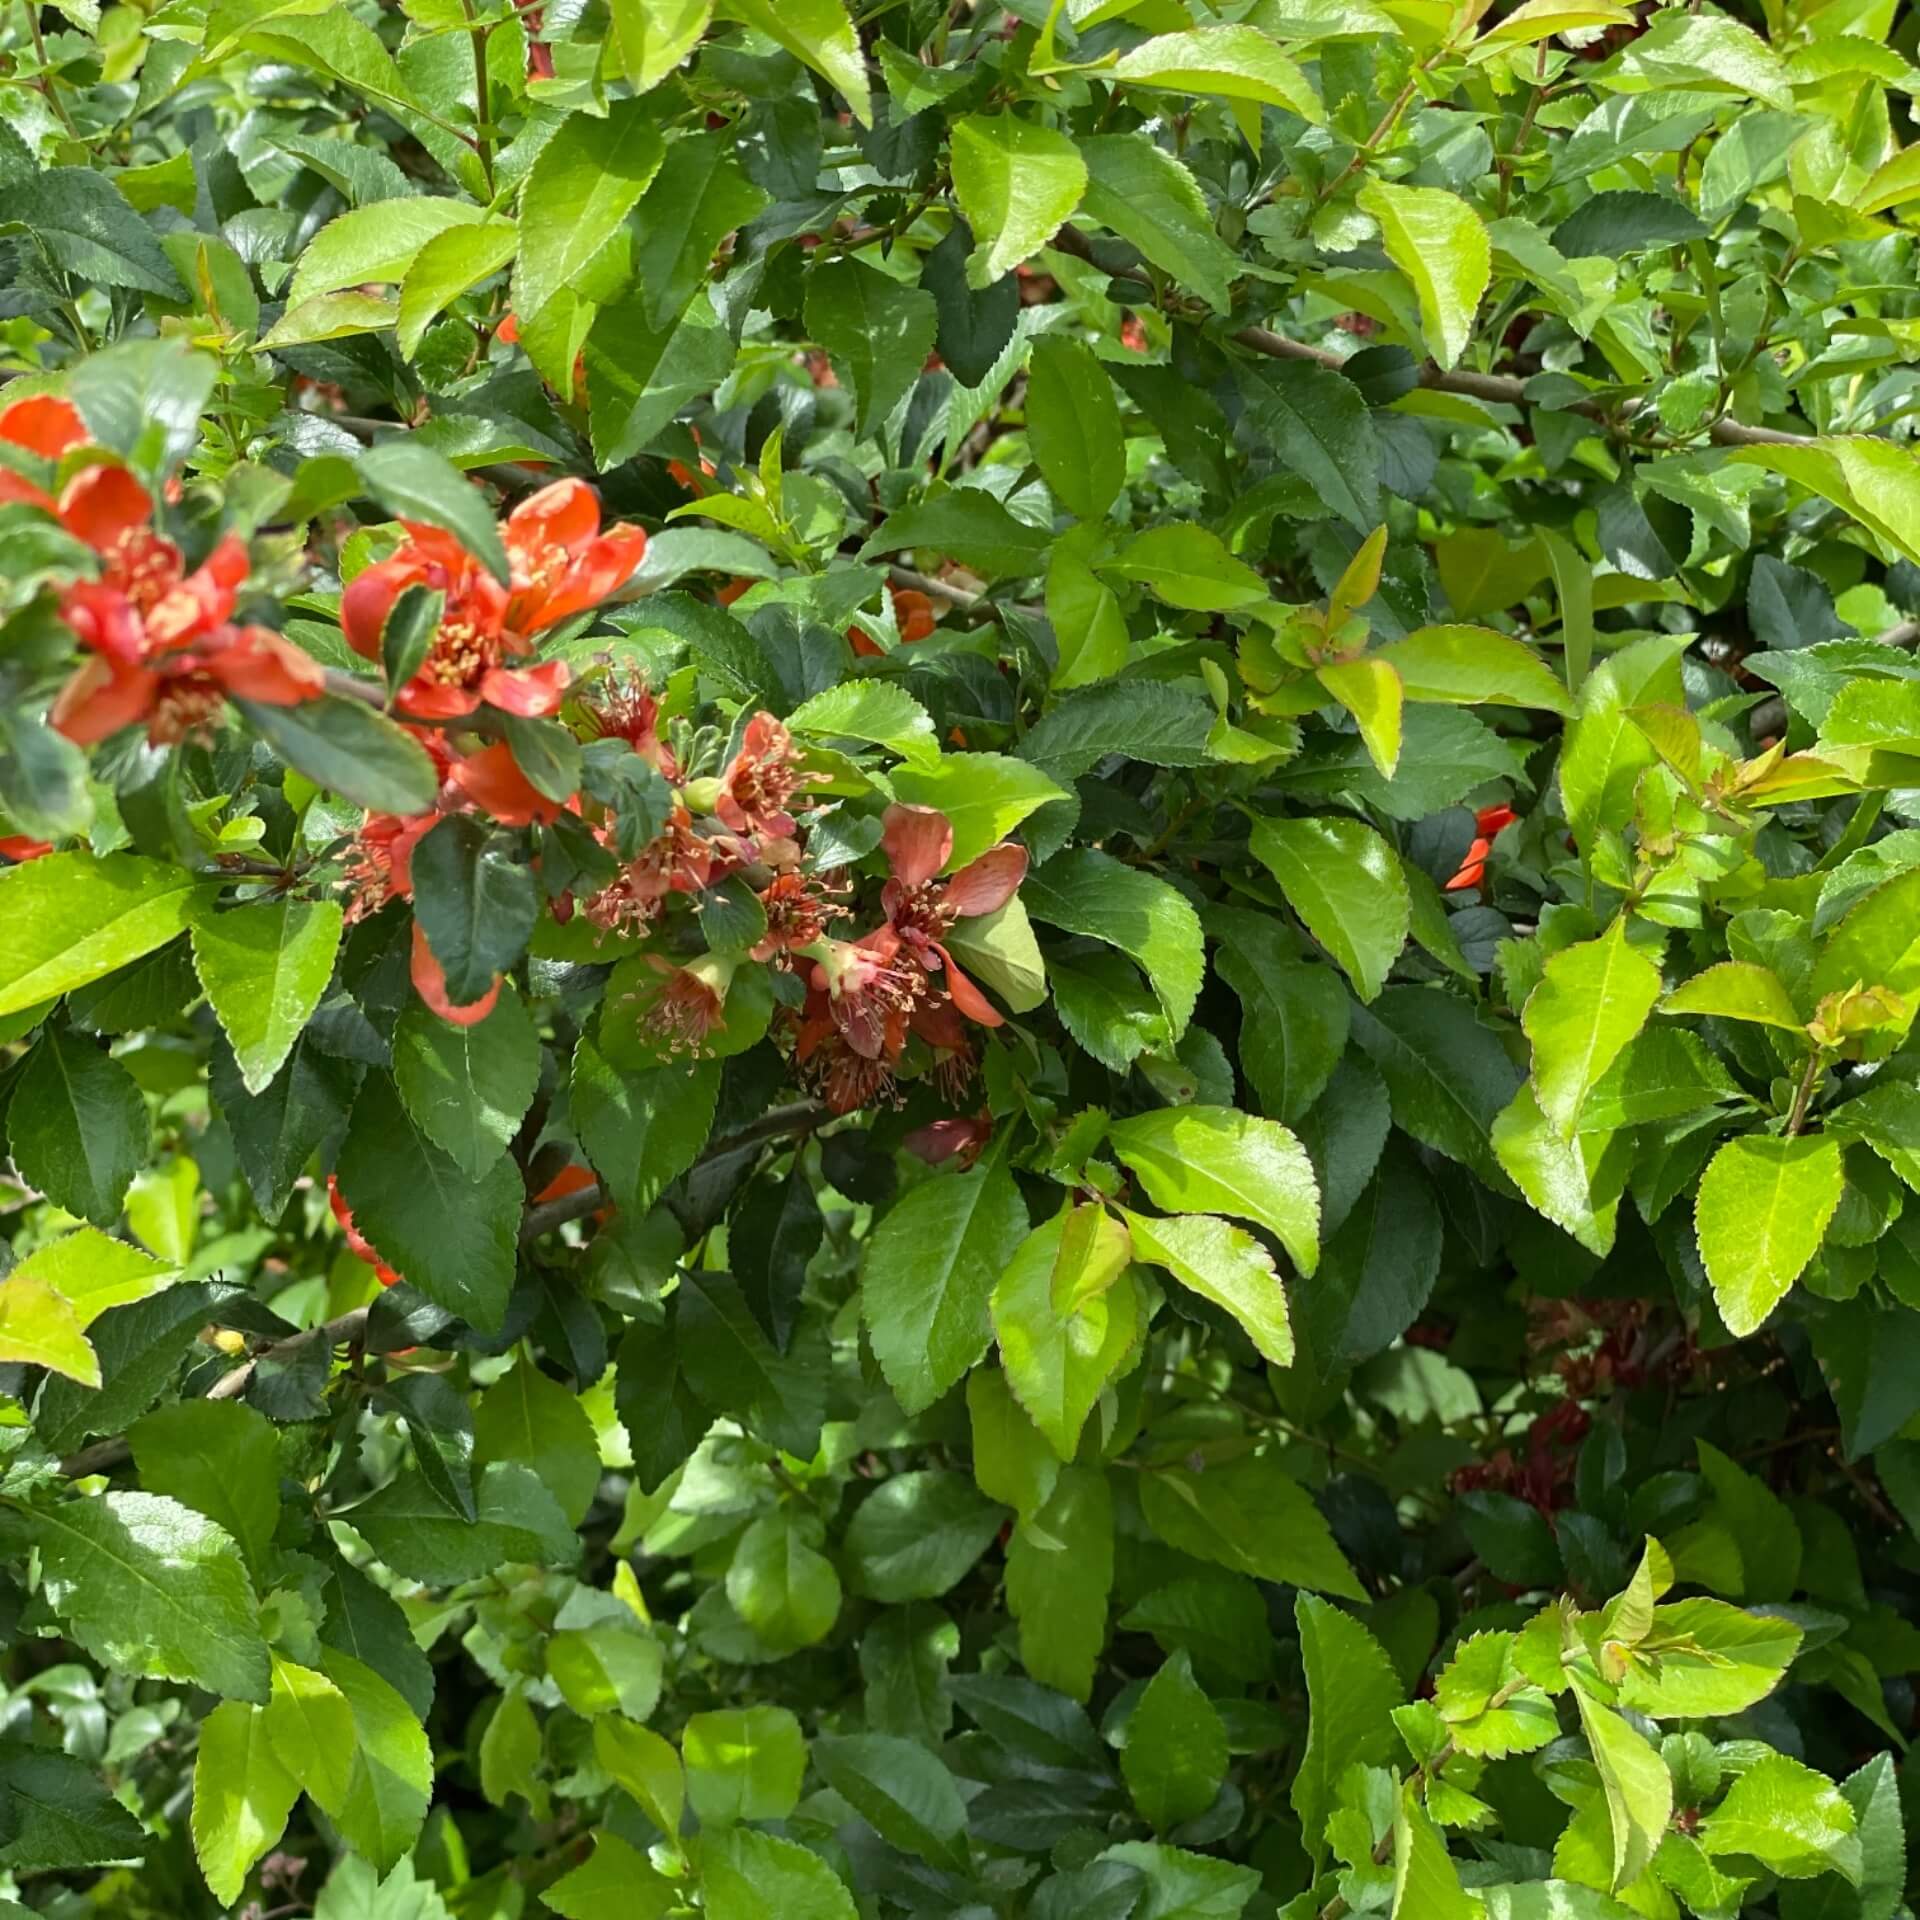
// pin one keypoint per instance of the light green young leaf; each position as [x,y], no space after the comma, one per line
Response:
[1352,1690]
[1216,1160]
[1225,1264]
[818,33]
[69,918]
[1073,426]
[1232,62]
[1760,1216]
[1736,990]
[1016,182]
[1437,240]
[1591,1001]
[1638,1788]
[743,1763]
[1474,666]
[242,1796]
[1794,1821]
[1426,1884]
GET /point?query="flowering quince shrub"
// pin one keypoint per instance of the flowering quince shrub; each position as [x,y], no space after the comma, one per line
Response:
[959,959]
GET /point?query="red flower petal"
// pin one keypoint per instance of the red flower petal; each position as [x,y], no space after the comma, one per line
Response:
[369,599]
[987,884]
[917,840]
[258,665]
[492,781]
[531,692]
[101,504]
[43,424]
[430,983]
[102,697]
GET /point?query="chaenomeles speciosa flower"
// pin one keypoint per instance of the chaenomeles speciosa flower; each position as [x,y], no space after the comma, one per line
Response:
[162,650]
[560,564]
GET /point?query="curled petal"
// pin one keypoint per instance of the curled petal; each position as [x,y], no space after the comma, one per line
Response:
[425,699]
[968,998]
[105,620]
[101,504]
[918,841]
[203,600]
[258,665]
[492,781]
[987,884]
[430,983]
[101,697]
[531,692]
[369,599]
[16,487]
[565,514]
[43,424]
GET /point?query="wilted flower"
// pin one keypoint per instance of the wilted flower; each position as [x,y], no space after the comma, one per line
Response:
[922,910]
[760,780]
[869,992]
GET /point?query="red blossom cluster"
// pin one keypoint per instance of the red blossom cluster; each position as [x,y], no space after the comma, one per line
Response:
[561,564]
[161,645]
[866,996]
[1487,824]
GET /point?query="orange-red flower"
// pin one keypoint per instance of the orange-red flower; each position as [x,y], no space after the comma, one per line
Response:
[922,910]
[1487,825]
[759,781]
[870,992]
[560,564]
[912,613]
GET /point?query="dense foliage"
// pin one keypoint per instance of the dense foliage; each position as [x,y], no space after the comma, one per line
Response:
[959,962]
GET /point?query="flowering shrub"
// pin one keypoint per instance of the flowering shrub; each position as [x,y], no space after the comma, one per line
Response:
[958,959]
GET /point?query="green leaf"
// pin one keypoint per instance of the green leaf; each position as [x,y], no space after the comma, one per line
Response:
[649,38]
[930,1270]
[476,901]
[1876,944]
[1591,1002]
[1089,627]
[1352,1691]
[606,1668]
[639,376]
[699,196]
[645,1767]
[743,1763]
[219,1458]
[1437,240]
[902,1791]
[781,1584]
[467,1088]
[1762,1528]
[60,1817]
[446,267]
[242,1796]
[1713,1660]
[390,1779]
[1605,753]
[1482,1667]
[1794,1821]
[1073,426]
[583,183]
[1761,1214]
[877,332]
[1151,200]
[1293,1016]
[350,749]
[1248,1515]
[1347,887]
[69,918]
[1175,1756]
[1371,691]
[1317,424]
[1736,990]
[93,1272]
[998,949]
[1575,1180]
[754,1876]
[967,525]
[78,1125]
[408,1525]
[1016,182]
[153,1589]
[1426,1885]
[1067,1320]
[414,483]
[275,1134]
[40,1327]
[1234,63]
[1638,1788]
[641,1130]
[1224,1264]
[86,226]
[818,33]
[1086,891]
[529,1417]
[1013,1462]
[375,244]
[917,1534]
[1188,566]
[1059,1574]
[265,967]
[1474,666]
[1214,1160]
[871,710]
[449,1236]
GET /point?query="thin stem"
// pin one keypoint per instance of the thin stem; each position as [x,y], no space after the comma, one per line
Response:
[1803,1094]
[483,136]
[44,80]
